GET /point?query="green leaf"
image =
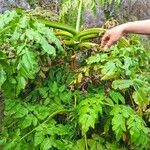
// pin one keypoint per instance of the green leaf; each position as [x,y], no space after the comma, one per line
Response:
[35,121]
[109,71]
[41,112]
[49,35]
[16,35]
[116,97]
[47,48]
[66,97]
[62,129]
[80,144]
[122,84]
[96,58]
[89,110]
[3,141]
[21,111]
[28,65]
[27,121]
[7,18]
[38,137]
[2,76]
[58,144]
[127,64]
[138,131]
[46,144]
[39,39]
[62,88]
[2,56]
[109,101]
[43,92]
[54,87]
[140,97]
[9,104]
[21,84]
[125,118]
[118,122]
[23,22]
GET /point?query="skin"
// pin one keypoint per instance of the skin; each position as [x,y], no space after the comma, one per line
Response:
[113,35]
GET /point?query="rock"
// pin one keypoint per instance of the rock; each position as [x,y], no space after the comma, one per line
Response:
[50,4]
[3,6]
[135,10]
[9,4]
[130,10]
[93,20]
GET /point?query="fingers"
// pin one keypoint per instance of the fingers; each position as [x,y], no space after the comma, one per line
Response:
[108,44]
[107,41]
[104,40]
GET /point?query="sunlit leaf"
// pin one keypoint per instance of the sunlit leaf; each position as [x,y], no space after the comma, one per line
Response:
[122,84]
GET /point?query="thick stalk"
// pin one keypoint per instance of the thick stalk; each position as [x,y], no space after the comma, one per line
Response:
[87,45]
[70,42]
[64,33]
[73,64]
[91,36]
[79,16]
[86,142]
[57,25]
[86,32]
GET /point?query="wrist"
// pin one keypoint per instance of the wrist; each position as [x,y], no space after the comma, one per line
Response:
[125,28]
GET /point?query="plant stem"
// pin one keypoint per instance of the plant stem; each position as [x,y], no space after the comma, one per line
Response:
[79,16]
[52,115]
[75,100]
[73,61]
[57,25]
[86,143]
[90,31]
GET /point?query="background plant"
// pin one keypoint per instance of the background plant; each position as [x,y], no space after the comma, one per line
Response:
[51,105]
[69,8]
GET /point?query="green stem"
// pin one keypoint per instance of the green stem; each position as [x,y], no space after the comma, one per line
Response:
[5,29]
[131,99]
[87,37]
[75,101]
[86,32]
[52,115]
[79,16]
[86,143]
[70,42]
[87,44]
[57,25]
[64,33]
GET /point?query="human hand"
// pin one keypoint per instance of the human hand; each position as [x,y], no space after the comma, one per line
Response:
[112,36]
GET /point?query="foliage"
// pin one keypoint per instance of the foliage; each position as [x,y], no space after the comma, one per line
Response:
[103,103]
[69,8]
[88,112]
[23,40]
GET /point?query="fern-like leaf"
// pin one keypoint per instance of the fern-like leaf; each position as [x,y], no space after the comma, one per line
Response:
[67,5]
[74,4]
[89,110]
[126,120]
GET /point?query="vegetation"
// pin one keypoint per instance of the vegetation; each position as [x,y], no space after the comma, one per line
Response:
[61,91]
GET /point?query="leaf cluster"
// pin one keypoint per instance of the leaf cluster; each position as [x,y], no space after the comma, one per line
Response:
[103,104]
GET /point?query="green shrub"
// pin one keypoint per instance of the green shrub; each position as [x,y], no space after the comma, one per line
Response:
[103,103]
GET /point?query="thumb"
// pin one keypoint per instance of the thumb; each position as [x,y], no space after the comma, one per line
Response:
[108,44]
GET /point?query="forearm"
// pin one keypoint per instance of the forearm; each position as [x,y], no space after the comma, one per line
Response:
[141,27]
